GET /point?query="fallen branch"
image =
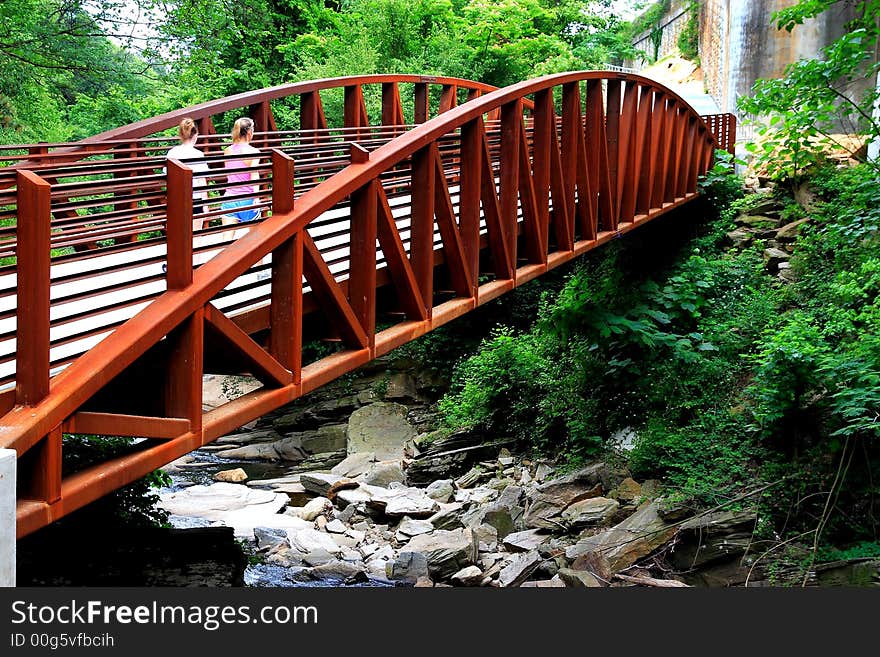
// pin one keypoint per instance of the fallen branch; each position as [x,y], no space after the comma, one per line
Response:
[652,581]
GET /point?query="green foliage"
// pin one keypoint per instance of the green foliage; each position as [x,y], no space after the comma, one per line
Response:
[720,185]
[132,505]
[798,113]
[689,38]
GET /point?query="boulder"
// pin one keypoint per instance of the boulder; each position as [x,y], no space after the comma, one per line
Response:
[542,471]
[519,568]
[627,490]
[384,473]
[595,564]
[354,465]
[756,221]
[495,515]
[625,543]
[412,502]
[269,538]
[487,537]
[739,238]
[448,517]
[314,508]
[307,540]
[592,511]
[233,505]
[326,438]
[410,527]
[468,576]
[440,490]
[554,496]
[317,557]
[451,456]
[235,476]
[447,552]
[286,449]
[380,428]
[713,537]
[510,496]
[774,256]
[407,567]
[578,578]
[336,526]
[482,494]
[789,232]
[336,569]
[318,483]
[525,541]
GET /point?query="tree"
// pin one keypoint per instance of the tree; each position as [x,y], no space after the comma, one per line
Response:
[818,97]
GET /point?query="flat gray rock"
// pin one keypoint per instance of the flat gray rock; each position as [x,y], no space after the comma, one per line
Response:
[380,428]
[354,465]
[447,552]
[519,568]
[525,541]
[318,483]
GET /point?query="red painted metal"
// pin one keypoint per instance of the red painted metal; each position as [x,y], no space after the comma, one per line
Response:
[497,187]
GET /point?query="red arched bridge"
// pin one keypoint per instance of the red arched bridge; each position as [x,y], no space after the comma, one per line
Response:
[112,308]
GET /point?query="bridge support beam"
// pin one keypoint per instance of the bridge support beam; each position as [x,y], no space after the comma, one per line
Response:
[7,517]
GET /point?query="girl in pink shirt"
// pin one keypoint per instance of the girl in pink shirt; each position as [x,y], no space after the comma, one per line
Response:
[242,133]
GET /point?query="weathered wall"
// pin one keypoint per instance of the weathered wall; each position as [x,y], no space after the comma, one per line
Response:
[738,44]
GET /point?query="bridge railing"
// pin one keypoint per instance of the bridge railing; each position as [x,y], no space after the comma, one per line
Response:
[419,230]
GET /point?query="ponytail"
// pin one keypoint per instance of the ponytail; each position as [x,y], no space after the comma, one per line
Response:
[241,128]
[187,129]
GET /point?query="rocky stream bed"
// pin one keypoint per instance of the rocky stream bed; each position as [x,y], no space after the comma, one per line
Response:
[354,487]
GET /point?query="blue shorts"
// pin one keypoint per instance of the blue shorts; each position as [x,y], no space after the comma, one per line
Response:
[242,215]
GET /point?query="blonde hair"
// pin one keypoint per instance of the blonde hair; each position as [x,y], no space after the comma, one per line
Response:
[242,126]
[187,129]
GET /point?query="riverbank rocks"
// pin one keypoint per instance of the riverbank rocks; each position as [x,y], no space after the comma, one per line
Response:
[446,551]
[354,465]
[407,567]
[592,511]
[286,449]
[235,476]
[380,428]
[383,473]
[519,568]
[440,490]
[319,483]
[556,495]
[625,543]
[233,505]
[448,456]
[525,541]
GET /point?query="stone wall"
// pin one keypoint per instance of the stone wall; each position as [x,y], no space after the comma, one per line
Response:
[738,44]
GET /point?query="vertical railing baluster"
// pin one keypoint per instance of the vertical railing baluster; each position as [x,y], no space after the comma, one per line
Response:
[511,115]
[422,221]
[362,256]
[612,132]
[40,467]
[286,306]
[469,195]
[626,186]
[544,120]
[183,388]
[178,225]
[33,230]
